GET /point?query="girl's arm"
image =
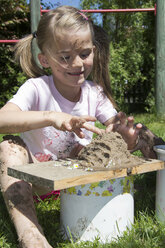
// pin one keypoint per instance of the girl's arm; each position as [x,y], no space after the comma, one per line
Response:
[13,120]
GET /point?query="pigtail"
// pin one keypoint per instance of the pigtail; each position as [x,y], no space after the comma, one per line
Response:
[24,56]
[100,72]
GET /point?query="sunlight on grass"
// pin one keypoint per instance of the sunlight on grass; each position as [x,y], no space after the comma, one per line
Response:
[1,135]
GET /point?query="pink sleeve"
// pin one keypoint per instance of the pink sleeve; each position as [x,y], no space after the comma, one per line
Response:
[104,109]
[26,97]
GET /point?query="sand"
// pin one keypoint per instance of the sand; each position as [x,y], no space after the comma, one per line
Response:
[107,151]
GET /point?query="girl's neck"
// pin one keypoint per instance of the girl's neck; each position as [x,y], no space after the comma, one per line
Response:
[70,93]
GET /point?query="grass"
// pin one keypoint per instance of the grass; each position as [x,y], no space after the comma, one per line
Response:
[146,232]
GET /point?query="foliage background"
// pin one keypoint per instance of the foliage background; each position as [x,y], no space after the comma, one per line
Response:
[14,24]
[132,50]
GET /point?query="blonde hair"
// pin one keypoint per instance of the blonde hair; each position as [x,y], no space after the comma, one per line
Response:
[100,72]
[51,28]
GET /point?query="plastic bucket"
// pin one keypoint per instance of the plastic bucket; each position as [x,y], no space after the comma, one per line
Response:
[160,184]
[103,210]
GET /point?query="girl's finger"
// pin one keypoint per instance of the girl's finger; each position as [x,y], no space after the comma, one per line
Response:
[122,117]
[138,126]
[109,128]
[79,133]
[75,151]
[78,122]
[66,126]
[130,122]
[92,128]
[89,118]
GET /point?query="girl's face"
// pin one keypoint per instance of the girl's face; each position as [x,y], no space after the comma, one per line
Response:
[74,59]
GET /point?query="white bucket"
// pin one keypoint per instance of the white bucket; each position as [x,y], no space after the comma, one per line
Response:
[104,209]
[160,184]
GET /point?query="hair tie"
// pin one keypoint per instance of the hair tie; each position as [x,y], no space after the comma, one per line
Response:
[83,15]
[34,34]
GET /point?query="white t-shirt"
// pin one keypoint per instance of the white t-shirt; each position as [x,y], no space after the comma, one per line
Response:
[40,94]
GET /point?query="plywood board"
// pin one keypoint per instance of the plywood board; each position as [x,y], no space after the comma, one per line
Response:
[56,175]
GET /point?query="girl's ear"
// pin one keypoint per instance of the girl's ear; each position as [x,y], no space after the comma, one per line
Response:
[94,48]
[43,60]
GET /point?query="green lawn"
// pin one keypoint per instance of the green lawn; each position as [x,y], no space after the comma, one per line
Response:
[146,232]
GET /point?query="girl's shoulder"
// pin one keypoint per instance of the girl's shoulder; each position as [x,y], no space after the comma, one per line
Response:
[40,84]
[40,81]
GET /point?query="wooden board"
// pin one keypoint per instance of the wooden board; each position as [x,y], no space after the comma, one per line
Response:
[56,176]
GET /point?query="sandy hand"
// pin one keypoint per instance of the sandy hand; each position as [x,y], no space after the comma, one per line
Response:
[146,141]
[67,122]
[125,126]
[75,151]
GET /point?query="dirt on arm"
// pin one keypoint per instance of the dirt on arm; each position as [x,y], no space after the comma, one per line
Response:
[147,140]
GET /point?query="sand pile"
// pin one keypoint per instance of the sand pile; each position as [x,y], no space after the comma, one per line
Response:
[107,151]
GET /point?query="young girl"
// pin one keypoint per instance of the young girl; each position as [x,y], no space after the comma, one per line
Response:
[55,114]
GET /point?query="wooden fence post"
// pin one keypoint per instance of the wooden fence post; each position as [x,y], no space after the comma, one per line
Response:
[160,58]
[35,15]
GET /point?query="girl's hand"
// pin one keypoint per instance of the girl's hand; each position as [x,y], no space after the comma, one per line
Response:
[75,151]
[125,126]
[67,122]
